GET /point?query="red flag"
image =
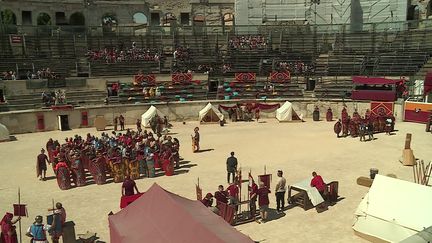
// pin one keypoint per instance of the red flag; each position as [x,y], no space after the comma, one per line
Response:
[20,210]
[239,178]
[266,179]
[250,180]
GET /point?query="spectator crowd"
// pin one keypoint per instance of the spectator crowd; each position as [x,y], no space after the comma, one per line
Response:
[44,73]
[297,67]
[248,42]
[115,55]
[57,97]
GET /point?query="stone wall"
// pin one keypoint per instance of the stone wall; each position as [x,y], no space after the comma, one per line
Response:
[93,12]
[214,11]
[26,121]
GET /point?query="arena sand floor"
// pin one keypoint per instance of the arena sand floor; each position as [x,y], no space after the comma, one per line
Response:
[296,148]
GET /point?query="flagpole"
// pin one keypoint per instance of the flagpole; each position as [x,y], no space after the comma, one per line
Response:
[19,222]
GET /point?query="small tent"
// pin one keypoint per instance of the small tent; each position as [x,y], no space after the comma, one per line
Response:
[149,114]
[4,133]
[159,216]
[210,114]
[393,210]
[286,113]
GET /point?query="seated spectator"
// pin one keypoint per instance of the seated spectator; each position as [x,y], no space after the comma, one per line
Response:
[226,68]
[146,92]
[157,92]
[9,75]
[152,92]
[115,87]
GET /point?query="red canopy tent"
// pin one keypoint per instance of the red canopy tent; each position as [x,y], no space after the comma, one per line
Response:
[373,80]
[160,216]
[374,94]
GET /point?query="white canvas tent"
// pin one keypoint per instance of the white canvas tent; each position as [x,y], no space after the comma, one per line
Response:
[393,210]
[4,133]
[149,114]
[286,113]
[210,114]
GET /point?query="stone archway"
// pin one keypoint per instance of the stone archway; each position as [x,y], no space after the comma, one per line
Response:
[228,19]
[169,18]
[199,19]
[8,17]
[76,19]
[413,13]
[140,18]
[109,19]
[43,19]
[109,22]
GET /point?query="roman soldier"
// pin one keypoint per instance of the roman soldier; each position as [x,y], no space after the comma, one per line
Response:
[195,140]
[115,122]
[345,122]
[329,115]
[338,127]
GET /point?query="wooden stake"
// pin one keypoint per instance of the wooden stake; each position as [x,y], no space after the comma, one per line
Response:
[429,173]
[421,173]
[424,173]
[418,173]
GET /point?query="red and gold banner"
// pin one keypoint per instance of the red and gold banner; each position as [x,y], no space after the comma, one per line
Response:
[245,77]
[280,76]
[181,77]
[147,78]
[381,108]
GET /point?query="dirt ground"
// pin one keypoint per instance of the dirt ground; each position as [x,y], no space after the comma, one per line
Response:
[296,148]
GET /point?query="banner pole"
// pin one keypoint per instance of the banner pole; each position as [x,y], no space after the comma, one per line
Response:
[19,222]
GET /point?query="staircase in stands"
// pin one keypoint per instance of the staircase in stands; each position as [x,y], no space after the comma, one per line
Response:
[321,66]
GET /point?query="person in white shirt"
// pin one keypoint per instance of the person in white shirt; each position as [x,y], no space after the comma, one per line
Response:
[280,192]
